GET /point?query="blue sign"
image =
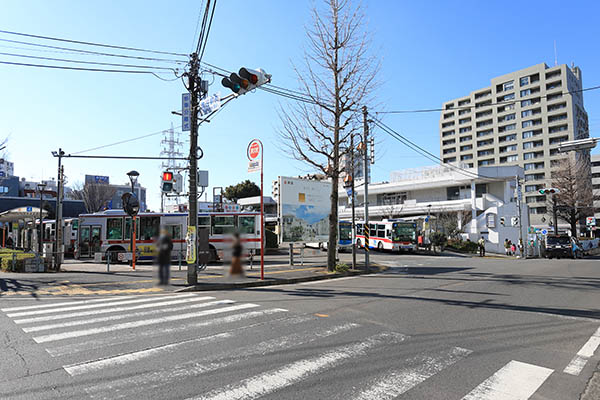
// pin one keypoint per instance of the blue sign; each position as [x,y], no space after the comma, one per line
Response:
[544,231]
[427,218]
[349,191]
[101,179]
[29,208]
[186,107]
[210,104]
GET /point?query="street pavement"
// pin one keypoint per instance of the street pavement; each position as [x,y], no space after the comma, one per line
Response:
[430,328]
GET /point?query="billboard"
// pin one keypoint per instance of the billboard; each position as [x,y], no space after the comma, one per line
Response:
[303,210]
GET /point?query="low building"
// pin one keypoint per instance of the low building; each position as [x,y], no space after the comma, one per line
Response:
[479,198]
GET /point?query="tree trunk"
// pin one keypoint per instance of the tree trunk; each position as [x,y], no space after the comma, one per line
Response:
[573,222]
[333,226]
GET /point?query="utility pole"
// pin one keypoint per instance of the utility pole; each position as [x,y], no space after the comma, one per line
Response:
[192,271]
[366,183]
[353,232]
[520,224]
[58,240]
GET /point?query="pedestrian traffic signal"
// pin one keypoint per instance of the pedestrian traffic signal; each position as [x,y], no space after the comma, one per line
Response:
[246,80]
[514,221]
[131,205]
[167,182]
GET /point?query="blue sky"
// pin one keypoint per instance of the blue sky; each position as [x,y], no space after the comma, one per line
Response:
[430,51]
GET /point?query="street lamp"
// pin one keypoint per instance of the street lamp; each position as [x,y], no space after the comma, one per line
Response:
[41,187]
[133,177]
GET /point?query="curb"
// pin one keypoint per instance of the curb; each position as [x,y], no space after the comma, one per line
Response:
[203,287]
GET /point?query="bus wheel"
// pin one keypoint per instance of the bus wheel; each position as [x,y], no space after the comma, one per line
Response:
[380,246]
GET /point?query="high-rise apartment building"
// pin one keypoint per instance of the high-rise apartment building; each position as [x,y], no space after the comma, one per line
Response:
[596,185]
[520,119]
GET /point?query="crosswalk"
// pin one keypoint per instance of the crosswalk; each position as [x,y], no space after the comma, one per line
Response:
[132,347]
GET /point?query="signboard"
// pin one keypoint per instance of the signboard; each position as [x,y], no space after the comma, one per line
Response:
[186,115]
[590,221]
[491,220]
[210,104]
[190,238]
[303,207]
[29,209]
[253,166]
[227,207]
[544,231]
[254,156]
[99,179]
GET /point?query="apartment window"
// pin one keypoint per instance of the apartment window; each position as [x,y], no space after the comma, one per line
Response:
[525,103]
[531,122]
[512,147]
[507,117]
[447,124]
[507,138]
[550,75]
[483,113]
[464,120]
[447,133]
[524,81]
[465,129]
[450,151]
[510,127]
[482,94]
[507,107]
[449,141]
[558,117]
[448,115]
[483,104]
[559,128]
[506,97]
[509,159]
[485,142]
[449,160]
[525,92]
[464,111]
[553,85]
[533,154]
[531,133]
[484,123]
[554,96]
[464,102]
[466,138]
[554,152]
[489,152]
[531,145]
[558,139]
[555,107]
[537,210]
[526,113]
[486,162]
[485,133]
[556,163]
[466,157]
[508,85]
[466,147]
[535,177]
[596,164]
[532,166]
[449,106]
[533,188]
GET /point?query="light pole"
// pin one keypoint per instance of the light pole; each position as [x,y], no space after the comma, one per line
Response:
[133,177]
[41,187]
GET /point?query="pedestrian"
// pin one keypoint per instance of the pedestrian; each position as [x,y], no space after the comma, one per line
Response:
[481,244]
[165,247]
[513,249]
[507,247]
[9,242]
[521,248]
[236,256]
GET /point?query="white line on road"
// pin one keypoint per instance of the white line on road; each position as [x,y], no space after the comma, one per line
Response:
[328,280]
[126,337]
[516,380]
[109,362]
[144,322]
[107,311]
[66,303]
[400,381]
[87,306]
[271,381]
[583,355]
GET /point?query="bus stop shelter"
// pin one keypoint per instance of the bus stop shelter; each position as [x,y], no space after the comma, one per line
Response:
[19,218]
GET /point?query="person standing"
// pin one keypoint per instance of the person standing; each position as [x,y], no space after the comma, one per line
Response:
[481,244]
[164,247]
[513,249]
[236,256]
[507,247]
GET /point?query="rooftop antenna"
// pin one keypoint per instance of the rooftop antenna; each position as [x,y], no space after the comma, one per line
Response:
[555,56]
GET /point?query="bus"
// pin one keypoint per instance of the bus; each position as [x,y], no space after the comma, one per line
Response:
[344,237]
[109,232]
[394,235]
[69,233]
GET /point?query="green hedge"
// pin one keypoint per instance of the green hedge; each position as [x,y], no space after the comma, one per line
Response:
[464,246]
[6,260]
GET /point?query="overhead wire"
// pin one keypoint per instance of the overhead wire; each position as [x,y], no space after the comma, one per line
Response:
[207,30]
[124,141]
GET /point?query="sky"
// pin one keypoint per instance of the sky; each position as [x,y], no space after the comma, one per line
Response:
[430,52]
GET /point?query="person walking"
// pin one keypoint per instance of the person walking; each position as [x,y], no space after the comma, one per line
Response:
[507,247]
[236,256]
[513,249]
[164,247]
[481,244]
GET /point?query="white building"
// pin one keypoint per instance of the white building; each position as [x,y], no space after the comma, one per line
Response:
[480,195]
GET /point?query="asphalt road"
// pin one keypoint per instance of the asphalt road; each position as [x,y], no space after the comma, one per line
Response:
[429,328]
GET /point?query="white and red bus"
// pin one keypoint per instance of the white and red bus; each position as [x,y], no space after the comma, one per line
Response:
[69,233]
[110,232]
[394,235]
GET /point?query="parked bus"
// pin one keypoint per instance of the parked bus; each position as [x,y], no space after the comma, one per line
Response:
[394,235]
[344,237]
[69,233]
[110,232]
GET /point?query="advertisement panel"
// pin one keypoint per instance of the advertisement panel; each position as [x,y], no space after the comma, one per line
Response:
[303,210]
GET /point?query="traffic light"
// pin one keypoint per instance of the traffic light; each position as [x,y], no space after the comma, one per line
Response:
[167,182]
[549,191]
[131,205]
[502,221]
[246,80]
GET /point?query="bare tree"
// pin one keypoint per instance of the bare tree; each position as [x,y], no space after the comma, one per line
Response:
[338,76]
[575,199]
[391,210]
[94,196]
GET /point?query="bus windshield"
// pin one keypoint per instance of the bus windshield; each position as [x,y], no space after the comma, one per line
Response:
[345,231]
[404,232]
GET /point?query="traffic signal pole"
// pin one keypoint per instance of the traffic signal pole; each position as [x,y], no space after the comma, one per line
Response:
[192,271]
[353,232]
[58,237]
[366,182]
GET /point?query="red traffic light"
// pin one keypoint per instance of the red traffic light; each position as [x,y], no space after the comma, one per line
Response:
[167,176]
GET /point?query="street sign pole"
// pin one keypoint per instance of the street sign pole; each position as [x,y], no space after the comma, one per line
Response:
[255,149]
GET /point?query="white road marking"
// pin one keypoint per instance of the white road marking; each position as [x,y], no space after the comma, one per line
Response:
[123,337]
[271,381]
[400,381]
[514,381]
[66,303]
[144,322]
[328,280]
[109,362]
[583,355]
[122,388]
[107,311]
[88,306]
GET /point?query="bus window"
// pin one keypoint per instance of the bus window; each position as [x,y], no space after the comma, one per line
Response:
[246,224]
[204,221]
[174,231]
[345,231]
[149,227]
[359,229]
[380,230]
[114,228]
[128,228]
[75,224]
[223,224]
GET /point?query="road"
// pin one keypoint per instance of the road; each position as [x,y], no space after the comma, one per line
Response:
[429,328]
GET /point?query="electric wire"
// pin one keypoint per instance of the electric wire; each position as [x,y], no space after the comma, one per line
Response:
[111,46]
[208,30]
[197,26]
[124,141]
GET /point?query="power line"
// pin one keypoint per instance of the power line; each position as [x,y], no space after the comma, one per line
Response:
[197,26]
[124,141]
[427,110]
[97,53]
[208,30]
[92,43]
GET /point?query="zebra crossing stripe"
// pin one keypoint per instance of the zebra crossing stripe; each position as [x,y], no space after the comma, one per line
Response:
[96,365]
[77,322]
[73,348]
[88,306]
[271,381]
[583,355]
[516,380]
[144,322]
[66,303]
[401,381]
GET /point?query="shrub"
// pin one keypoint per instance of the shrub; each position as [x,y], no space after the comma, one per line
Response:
[438,239]
[341,268]
[465,246]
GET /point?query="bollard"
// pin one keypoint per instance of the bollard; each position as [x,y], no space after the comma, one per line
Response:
[107,261]
[179,257]
[14,262]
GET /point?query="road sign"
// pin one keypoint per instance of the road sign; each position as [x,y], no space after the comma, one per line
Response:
[254,166]
[29,209]
[590,221]
[544,231]
[254,156]
[186,107]
[210,104]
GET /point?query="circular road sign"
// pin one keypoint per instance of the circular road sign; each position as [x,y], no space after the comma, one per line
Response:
[254,149]
[544,232]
